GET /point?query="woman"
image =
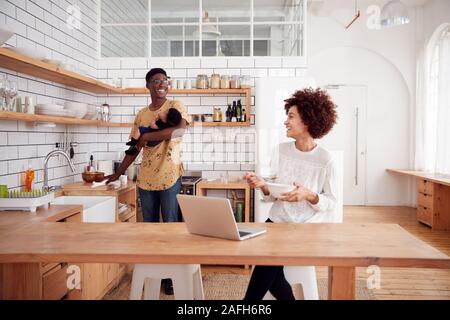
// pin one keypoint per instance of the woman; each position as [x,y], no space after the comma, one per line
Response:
[311,171]
[159,179]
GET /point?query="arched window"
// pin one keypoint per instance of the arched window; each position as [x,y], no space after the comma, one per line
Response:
[437,102]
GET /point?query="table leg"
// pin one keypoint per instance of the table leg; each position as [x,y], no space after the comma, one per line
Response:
[20,281]
[247,205]
[341,283]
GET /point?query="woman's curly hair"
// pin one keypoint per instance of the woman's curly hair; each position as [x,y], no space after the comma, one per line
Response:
[316,109]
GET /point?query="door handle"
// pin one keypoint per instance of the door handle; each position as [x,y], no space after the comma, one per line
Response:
[356,151]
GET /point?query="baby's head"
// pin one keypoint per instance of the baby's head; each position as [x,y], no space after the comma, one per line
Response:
[171,116]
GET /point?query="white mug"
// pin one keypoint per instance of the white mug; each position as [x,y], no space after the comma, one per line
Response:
[29,105]
[174,84]
[123,180]
[180,84]
[187,84]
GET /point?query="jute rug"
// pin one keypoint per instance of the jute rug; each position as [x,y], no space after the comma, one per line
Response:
[224,286]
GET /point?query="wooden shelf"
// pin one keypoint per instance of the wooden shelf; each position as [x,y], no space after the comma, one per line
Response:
[221,124]
[245,91]
[12,60]
[241,91]
[17,116]
[127,214]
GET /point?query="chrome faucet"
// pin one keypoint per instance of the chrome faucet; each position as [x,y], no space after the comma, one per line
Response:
[47,158]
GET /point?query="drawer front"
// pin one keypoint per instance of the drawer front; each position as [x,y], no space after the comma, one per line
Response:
[425,215]
[425,200]
[54,283]
[46,267]
[425,186]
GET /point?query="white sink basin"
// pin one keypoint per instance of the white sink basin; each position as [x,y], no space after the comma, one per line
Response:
[95,208]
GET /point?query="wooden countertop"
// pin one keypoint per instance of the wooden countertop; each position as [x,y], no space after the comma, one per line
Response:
[217,184]
[87,187]
[340,245]
[434,177]
[10,221]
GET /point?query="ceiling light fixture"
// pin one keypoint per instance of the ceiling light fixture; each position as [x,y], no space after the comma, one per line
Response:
[208,31]
[394,13]
[357,15]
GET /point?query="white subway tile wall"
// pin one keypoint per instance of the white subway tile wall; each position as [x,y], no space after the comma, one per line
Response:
[42,26]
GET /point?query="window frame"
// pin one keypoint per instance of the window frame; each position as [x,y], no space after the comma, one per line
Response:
[301,23]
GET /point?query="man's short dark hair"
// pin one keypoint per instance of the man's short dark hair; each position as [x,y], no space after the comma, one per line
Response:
[154,71]
[173,117]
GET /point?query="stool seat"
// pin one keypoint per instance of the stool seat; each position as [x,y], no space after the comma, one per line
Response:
[186,278]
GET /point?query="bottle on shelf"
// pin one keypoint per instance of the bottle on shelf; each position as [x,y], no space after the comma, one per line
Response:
[91,164]
[233,112]
[243,116]
[228,113]
[238,111]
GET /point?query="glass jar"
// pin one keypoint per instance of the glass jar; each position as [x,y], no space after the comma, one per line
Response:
[235,82]
[202,81]
[217,114]
[225,82]
[215,81]
[245,82]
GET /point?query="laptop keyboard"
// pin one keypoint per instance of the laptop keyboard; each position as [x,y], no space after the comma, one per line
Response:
[243,233]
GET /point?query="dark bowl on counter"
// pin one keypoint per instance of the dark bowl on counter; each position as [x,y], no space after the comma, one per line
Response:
[96,176]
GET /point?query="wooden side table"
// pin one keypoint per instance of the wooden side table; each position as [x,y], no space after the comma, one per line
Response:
[433,198]
[204,185]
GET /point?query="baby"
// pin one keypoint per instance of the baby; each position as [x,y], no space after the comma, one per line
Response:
[165,119]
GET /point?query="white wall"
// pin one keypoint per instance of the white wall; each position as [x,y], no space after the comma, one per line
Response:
[434,13]
[384,60]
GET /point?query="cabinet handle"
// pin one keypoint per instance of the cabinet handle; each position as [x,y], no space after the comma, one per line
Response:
[356,153]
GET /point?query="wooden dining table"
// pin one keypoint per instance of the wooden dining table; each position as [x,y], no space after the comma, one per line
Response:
[340,247]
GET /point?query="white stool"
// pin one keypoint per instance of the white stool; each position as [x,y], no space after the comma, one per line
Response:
[186,278]
[306,276]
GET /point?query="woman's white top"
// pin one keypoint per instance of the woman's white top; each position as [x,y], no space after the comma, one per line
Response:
[316,171]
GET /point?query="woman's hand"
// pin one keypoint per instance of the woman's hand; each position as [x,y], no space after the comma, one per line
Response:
[256,182]
[300,193]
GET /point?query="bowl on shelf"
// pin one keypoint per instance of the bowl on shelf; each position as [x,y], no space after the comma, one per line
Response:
[35,53]
[79,109]
[91,176]
[5,34]
[276,189]
[55,62]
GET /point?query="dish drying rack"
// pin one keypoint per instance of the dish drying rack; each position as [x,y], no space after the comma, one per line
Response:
[26,201]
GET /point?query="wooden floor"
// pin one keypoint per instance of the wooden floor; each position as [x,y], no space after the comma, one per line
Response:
[396,283]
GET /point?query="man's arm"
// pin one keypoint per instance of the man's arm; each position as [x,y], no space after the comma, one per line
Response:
[126,162]
[164,134]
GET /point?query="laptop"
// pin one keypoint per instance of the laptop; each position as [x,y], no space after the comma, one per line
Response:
[213,217]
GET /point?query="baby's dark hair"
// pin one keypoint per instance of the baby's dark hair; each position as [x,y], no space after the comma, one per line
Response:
[173,117]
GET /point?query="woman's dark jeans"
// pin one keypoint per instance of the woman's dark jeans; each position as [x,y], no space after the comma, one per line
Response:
[269,278]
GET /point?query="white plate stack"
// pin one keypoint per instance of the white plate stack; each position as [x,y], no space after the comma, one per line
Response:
[90,113]
[53,110]
[78,108]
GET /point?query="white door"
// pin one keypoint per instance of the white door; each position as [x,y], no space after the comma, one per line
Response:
[349,135]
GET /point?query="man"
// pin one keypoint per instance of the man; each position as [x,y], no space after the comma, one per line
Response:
[159,179]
